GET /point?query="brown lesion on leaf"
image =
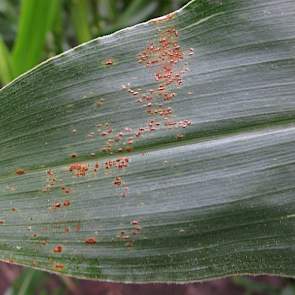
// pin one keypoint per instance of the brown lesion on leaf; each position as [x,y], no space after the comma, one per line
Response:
[90,241]
[73,155]
[67,203]
[60,204]
[118,181]
[50,181]
[58,249]
[129,236]
[79,169]
[109,62]
[58,266]
[20,171]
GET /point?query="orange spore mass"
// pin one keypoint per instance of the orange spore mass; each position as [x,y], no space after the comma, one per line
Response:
[20,171]
[118,181]
[79,169]
[90,241]
[67,203]
[59,266]
[109,62]
[58,249]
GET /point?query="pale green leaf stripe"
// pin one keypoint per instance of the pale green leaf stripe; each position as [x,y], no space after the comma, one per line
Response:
[219,202]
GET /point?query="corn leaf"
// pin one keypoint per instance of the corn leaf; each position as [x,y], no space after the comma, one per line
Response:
[163,152]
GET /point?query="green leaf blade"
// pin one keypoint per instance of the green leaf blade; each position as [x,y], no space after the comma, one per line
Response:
[79,14]
[35,21]
[5,63]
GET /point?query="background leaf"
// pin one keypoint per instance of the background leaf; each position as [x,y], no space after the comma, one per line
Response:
[35,21]
[6,74]
[210,200]
[79,10]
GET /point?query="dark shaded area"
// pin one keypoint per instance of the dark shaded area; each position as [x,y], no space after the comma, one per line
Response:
[50,284]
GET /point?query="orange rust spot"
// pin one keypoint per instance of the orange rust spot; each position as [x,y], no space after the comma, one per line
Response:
[66,229]
[50,172]
[79,169]
[184,123]
[107,149]
[67,203]
[163,55]
[13,209]
[130,141]
[121,163]
[66,190]
[108,164]
[59,266]
[58,249]
[106,132]
[2,221]
[109,62]
[56,205]
[117,181]
[90,241]
[20,171]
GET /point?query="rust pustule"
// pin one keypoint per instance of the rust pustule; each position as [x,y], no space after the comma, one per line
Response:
[90,241]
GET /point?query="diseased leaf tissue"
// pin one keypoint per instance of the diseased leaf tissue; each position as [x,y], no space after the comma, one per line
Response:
[165,60]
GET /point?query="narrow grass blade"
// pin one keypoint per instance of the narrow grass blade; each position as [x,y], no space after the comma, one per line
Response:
[5,64]
[79,15]
[35,20]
